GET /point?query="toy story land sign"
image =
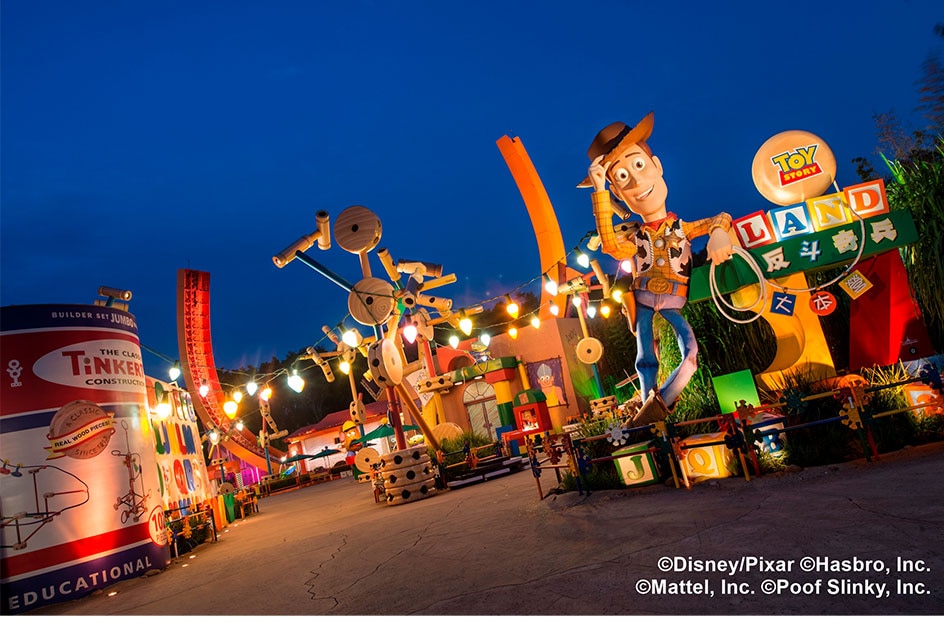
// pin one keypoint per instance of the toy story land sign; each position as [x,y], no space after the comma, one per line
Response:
[804,249]
[810,230]
[815,231]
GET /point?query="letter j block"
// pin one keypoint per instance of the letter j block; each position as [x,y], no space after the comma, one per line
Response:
[753,230]
[636,466]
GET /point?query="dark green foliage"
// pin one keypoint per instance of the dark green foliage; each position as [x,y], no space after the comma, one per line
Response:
[496,319]
[289,409]
[726,347]
[453,448]
[919,188]
[601,477]
[820,444]
[619,353]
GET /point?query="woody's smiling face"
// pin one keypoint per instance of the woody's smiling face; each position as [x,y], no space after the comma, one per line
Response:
[635,177]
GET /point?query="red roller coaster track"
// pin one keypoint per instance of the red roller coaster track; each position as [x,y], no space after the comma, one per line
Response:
[197,364]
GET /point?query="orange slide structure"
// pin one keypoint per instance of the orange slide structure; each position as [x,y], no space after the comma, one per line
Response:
[546,228]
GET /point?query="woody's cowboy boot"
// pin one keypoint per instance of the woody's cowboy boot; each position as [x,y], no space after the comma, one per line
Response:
[654,409]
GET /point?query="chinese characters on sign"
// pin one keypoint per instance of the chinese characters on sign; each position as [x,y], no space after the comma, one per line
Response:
[822,303]
[855,284]
[783,304]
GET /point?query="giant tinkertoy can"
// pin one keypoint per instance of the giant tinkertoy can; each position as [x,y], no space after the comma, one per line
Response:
[79,492]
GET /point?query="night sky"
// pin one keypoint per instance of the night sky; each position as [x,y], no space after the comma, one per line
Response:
[138,138]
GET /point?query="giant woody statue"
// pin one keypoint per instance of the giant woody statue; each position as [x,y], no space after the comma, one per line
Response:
[659,250]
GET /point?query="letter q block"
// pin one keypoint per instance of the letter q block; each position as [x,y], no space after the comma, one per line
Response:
[705,462]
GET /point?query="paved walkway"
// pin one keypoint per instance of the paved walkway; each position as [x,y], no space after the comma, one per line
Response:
[873,533]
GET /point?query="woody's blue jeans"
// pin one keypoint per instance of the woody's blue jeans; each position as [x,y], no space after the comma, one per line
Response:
[647,360]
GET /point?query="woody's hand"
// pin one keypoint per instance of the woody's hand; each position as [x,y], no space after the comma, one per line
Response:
[597,174]
[720,248]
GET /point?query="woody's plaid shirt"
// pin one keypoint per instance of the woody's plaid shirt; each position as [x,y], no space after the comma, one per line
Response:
[661,255]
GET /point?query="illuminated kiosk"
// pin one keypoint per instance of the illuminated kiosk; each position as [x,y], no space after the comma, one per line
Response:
[183,473]
[531,417]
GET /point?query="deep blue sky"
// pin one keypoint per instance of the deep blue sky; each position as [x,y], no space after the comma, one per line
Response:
[138,138]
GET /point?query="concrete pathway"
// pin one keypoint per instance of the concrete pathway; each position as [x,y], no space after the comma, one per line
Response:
[857,538]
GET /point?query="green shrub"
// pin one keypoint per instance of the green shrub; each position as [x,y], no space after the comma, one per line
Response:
[601,477]
[453,448]
[918,186]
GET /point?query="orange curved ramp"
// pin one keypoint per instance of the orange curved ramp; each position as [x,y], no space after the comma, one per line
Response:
[801,345]
[197,364]
[546,228]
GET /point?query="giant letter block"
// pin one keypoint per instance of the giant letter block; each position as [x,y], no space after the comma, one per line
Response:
[707,461]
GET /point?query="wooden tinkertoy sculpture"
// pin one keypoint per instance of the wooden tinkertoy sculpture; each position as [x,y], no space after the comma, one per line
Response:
[377,303]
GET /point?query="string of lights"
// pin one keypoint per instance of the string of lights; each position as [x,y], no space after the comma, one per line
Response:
[349,340]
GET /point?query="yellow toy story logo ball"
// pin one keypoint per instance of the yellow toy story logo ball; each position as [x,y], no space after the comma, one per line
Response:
[793,166]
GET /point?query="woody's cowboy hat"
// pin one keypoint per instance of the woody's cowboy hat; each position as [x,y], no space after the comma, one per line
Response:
[615,138]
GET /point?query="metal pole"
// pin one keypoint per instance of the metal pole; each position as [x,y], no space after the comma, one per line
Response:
[324,271]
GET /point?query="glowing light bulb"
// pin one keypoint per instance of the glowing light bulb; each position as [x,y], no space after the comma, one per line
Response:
[345,367]
[266,393]
[295,382]
[214,436]
[409,333]
[252,387]
[513,332]
[617,295]
[577,301]
[349,337]
[237,396]
[554,309]
[204,389]
[465,325]
[239,425]
[551,286]
[230,408]
[174,371]
[605,310]
[626,266]
[591,311]
[454,341]
[163,409]
[512,309]
[485,339]
[583,259]
[535,322]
